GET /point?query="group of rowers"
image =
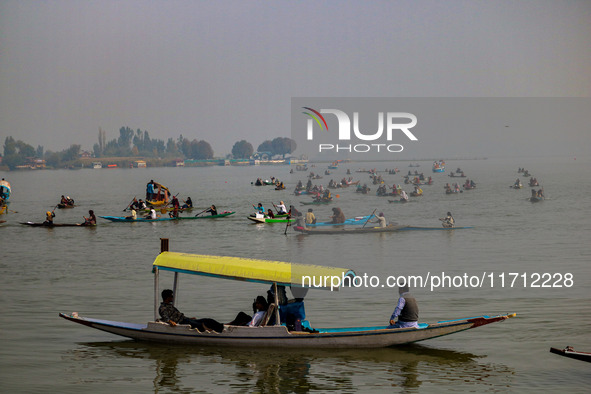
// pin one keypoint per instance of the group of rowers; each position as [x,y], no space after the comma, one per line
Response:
[537,194]
[455,188]
[140,205]
[417,180]
[67,201]
[88,221]
[280,208]
[274,181]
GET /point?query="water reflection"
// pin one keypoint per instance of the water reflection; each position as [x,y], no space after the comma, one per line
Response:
[274,370]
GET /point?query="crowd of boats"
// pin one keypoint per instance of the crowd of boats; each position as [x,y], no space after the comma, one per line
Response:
[284,323]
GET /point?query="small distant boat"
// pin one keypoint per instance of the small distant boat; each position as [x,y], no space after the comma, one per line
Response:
[366,230]
[316,202]
[356,230]
[571,353]
[413,228]
[65,206]
[439,166]
[33,224]
[270,220]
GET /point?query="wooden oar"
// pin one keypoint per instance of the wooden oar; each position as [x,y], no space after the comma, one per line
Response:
[287,224]
[128,205]
[201,212]
[370,216]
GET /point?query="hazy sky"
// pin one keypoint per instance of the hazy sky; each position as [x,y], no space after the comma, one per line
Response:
[222,71]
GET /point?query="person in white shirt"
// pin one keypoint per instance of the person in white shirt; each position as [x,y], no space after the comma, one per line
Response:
[152,214]
[281,209]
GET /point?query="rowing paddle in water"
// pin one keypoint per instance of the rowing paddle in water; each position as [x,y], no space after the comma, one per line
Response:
[128,205]
[201,212]
[370,216]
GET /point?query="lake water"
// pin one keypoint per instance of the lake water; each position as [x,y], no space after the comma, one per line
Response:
[105,272]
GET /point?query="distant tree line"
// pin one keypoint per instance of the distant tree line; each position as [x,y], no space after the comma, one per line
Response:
[139,144]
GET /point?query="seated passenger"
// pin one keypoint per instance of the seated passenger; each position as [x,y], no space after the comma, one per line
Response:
[407,311]
[169,314]
[259,308]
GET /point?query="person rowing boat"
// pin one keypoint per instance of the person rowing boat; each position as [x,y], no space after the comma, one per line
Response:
[90,220]
[49,215]
[448,221]
[281,209]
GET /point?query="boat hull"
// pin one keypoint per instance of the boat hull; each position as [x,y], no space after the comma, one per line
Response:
[269,220]
[119,219]
[279,336]
[57,224]
[572,354]
[363,230]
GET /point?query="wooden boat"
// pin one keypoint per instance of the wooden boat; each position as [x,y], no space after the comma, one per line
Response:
[344,230]
[359,220]
[315,202]
[365,230]
[401,201]
[162,194]
[276,273]
[535,199]
[571,353]
[164,219]
[219,215]
[33,224]
[411,228]
[270,220]
[65,206]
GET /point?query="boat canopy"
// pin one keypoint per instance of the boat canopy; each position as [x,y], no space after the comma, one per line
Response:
[254,270]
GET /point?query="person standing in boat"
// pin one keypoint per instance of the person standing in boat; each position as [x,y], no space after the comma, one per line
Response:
[407,310]
[169,314]
[90,220]
[448,221]
[150,190]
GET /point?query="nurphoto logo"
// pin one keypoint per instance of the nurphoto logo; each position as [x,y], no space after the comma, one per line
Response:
[396,124]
